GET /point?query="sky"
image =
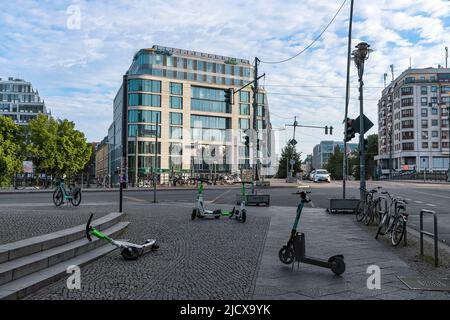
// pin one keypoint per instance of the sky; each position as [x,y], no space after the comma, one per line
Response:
[75,52]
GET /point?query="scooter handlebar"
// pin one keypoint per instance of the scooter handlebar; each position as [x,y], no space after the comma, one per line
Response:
[88,227]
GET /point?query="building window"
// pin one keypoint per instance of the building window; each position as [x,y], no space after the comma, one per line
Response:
[424,145]
[435,145]
[144,99]
[146,131]
[425,135]
[244,109]
[175,149]
[435,134]
[433,89]
[208,99]
[424,123]
[176,102]
[408,135]
[406,91]
[406,124]
[219,68]
[408,146]
[144,85]
[176,133]
[444,135]
[423,90]
[434,111]
[424,112]
[445,145]
[407,102]
[434,122]
[244,124]
[176,88]
[176,118]
[424,101]
[144,116]
[408,113]
[444,123]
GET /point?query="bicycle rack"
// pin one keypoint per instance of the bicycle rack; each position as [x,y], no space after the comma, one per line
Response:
[432,235]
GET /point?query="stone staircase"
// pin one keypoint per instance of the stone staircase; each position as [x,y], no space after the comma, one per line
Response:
[30,264]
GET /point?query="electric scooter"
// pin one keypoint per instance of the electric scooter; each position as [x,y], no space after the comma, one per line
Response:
[129,251]
[241,213]
[199,210]
[294,250]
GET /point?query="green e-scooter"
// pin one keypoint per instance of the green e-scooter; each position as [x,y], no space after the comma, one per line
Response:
[129,250]
[199,210]
[294,250]
[241,213]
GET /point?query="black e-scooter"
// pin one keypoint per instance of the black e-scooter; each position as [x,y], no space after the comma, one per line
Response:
[294,251]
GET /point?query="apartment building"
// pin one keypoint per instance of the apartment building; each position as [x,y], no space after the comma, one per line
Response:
[323,151]
[102,173]
[413,121]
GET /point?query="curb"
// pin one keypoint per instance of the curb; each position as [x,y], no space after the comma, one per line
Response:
[428,240]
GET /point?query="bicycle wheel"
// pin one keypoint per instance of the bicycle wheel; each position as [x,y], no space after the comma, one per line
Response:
[398,230]
[360,211]
[384,224]
[368,216]
[58,197]
[76,198]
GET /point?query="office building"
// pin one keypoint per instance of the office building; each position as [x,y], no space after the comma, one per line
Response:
[180,112]
[102,173]
[323,151]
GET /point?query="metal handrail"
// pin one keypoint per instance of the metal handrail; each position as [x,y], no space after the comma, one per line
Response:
[432,235]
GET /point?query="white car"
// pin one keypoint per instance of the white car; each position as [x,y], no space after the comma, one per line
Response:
[311,175]
[322,175]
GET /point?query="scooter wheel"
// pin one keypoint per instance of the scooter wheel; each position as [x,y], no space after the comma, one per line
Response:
[244,215]
[338,266]
[194,214]
[130,253]
[286,254]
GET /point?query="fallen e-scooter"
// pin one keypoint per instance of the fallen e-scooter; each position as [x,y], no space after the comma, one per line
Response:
[129,251]
[199,210]
[294,250]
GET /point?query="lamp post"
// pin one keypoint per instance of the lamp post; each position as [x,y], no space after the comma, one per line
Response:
[360,55]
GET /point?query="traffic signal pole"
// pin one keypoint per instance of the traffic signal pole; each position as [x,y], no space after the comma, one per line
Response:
[255,114]
[347,93]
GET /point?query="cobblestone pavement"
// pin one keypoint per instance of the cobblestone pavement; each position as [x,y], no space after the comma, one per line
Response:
[328,235]
[200,259]
[18,223]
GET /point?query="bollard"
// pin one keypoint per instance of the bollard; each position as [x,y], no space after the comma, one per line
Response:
[433,235]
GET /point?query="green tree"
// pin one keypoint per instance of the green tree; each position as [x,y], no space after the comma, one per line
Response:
[334,164]
[56,147]
[289,152]
[11,150]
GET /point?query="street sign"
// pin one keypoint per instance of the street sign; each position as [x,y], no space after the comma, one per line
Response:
[293,142]
[292,162]
[367,124]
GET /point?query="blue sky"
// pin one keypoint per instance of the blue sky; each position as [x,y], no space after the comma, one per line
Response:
[78,71]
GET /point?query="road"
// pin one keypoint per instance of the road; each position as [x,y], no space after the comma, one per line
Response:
[419,196]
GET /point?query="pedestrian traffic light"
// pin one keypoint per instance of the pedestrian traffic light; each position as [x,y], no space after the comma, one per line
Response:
[247,141]
[350,133]
[229,96]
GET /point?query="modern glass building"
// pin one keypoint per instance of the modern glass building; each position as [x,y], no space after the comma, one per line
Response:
[323,151]
[178,117]
[19,101]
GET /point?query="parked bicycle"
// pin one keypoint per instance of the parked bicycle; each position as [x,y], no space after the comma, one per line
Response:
[61,195]
[368,210]
[393,220]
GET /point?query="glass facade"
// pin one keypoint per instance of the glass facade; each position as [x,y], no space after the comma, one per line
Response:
[144,116]
[144,99]
[208,99]
[144,85]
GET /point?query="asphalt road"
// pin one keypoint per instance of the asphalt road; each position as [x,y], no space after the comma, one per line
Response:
[418,195]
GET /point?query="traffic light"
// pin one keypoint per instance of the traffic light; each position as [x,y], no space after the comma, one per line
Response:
[257,144]
[247,141]
[365,144]
[331,130]
[326,129]
[350,134]
[229,96]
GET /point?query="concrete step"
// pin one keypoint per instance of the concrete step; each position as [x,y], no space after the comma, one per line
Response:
[18,268]
[22,287]
[33,245]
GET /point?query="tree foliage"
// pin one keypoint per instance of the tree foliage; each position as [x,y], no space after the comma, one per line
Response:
[371,152]
[289,152]
[11,150]
[56,147]
[334,164]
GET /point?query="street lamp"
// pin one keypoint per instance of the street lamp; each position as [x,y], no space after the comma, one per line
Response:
[360,55]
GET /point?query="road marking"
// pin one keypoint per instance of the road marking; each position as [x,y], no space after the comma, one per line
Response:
[407,199]
[431,205]
[221,195]
[416,201]
[134,199]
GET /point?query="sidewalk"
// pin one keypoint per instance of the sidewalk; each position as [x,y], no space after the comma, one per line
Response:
[328,235]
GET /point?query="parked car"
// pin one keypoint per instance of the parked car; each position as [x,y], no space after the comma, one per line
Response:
[322,175]
[311,175]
